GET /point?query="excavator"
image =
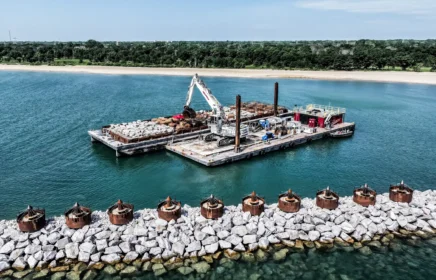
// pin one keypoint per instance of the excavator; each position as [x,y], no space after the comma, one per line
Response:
[221,131]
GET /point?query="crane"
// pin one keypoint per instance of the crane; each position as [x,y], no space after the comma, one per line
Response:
[224,133]
[327,122]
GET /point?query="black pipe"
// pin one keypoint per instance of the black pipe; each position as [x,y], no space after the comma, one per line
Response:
[238,124]
[276,98]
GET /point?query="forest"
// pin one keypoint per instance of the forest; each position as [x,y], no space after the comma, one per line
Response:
[400,55]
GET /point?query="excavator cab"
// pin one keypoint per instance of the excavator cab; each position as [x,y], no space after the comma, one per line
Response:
[189,113]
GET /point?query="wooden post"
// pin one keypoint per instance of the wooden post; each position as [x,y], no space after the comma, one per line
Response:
[238,124]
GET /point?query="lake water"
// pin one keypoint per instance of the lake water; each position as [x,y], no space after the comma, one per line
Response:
[47,158]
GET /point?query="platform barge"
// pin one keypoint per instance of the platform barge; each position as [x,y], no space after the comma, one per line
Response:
[208,155]
[305,124]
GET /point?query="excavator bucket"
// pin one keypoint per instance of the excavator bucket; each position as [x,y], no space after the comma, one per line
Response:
[189,113]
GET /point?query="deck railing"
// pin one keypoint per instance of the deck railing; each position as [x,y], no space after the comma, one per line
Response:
[322,108]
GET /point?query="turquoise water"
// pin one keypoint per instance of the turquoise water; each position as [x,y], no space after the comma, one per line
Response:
[401,260]
[47,158]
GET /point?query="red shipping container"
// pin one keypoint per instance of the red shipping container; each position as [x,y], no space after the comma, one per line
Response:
[297,117]
[321,122]
[311,122]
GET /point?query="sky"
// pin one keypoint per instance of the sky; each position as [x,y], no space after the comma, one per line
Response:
[216,20]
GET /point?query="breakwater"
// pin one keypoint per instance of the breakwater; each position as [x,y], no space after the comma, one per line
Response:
[194,244]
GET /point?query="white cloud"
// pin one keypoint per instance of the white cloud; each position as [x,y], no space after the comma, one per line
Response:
[411,7]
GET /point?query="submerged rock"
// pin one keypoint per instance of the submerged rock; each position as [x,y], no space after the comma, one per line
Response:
[280,255]
[201,267]
[185,270]
[158,269]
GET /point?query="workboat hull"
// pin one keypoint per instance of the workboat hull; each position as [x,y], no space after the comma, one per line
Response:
[342,135]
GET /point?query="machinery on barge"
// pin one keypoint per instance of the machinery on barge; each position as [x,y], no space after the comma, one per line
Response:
[206,136]
[221,130]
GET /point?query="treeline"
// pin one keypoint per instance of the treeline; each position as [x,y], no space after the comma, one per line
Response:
[323,55]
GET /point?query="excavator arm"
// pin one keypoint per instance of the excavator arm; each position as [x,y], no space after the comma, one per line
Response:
[217,108]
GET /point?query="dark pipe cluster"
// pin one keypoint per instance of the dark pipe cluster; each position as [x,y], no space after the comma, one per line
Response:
[121,213]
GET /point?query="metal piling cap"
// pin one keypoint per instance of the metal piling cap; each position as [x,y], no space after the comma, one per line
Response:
[212,201]
[328,192]
[289,195]
[120,204]
[365,189]
[168,201]
[76,208]
[254,198]
[29,211]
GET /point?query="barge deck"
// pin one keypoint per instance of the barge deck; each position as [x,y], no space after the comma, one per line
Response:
[206,153]
[130,149]
[141,147]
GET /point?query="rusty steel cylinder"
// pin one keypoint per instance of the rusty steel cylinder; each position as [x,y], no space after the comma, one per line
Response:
[120,213]
[169,209]
[289,202]
[253,204]
[238,124]
[276,98]
[212,208]
[77,216]
[364,196]
[327,199]
[401,193]
[31,220]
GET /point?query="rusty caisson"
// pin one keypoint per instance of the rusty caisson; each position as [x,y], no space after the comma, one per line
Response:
[327,199]
[289,202]
[120,213]
[401,193]
[253,204]
[212,208]
[364,196]
[169,209]
[31,219]
[77,216]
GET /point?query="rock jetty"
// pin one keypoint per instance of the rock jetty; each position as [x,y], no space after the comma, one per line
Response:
[192,243]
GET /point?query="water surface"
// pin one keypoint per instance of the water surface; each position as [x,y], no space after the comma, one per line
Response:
[47,158]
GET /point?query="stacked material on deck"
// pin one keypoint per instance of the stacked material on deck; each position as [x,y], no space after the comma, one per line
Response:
[251,110]
[138,131]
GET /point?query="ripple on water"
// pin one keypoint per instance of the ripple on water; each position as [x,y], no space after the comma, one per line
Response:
[48,160]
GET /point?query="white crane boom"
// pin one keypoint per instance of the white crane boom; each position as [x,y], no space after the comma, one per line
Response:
[216,106]
[217,126]
[327,120]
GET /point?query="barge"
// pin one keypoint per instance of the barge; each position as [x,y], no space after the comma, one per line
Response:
[207,137]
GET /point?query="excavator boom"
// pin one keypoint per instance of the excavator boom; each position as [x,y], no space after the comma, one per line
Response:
[225,132]
[215,105]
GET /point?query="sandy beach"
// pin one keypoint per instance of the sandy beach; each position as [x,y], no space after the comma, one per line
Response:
[396,77]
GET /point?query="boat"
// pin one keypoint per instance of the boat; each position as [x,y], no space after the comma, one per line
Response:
[342,133]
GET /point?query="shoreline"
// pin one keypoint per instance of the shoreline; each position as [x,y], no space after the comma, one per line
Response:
[193,244]
[428,78]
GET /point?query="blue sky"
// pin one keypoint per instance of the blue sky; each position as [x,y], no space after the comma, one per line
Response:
[147,20]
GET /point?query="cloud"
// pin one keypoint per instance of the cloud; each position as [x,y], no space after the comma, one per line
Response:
[409,7]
